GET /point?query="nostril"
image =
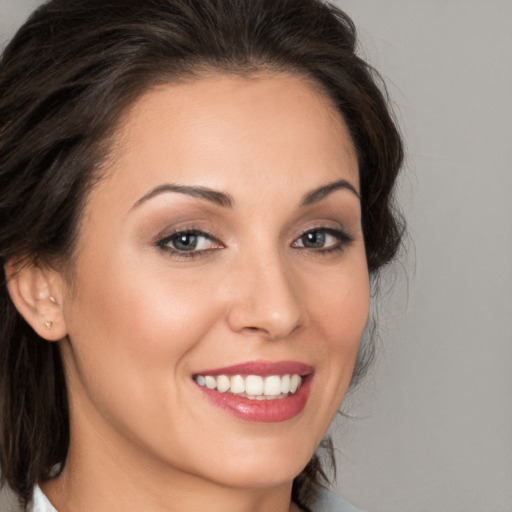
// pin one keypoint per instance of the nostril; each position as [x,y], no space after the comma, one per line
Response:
[253,330]
[271,314]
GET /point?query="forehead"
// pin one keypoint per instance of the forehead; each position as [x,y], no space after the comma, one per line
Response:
[220,131]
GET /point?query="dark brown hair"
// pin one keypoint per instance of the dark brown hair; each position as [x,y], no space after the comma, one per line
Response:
[66,78]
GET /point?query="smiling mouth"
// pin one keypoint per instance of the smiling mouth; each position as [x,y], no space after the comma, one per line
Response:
[253,387]
[258,391]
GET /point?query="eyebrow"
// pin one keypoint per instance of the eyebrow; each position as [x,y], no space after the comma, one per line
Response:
[322,192]
[214,196]
[226,200]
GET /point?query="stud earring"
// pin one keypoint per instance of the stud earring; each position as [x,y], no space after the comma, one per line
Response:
[52,299]
[48,324]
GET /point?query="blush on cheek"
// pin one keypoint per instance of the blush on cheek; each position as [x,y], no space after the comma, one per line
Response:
[155,318]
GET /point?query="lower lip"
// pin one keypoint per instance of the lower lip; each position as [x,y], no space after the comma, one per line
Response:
[264,411]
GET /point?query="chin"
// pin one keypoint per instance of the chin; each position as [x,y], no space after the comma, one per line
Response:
[262,464]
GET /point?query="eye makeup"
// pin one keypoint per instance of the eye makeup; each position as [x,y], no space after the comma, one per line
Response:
[189,243]
[324,240]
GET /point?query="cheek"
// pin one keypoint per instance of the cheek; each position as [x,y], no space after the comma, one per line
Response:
[339,310]
[340,307]
[343,329]
[129,318]
[132,330]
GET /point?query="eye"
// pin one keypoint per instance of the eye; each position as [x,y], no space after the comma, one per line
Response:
[188,242]
[323,239]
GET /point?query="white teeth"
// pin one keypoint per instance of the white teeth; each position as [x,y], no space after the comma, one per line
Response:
[272,385]
[254,387]
[211,382]
[201,380]
[294,383]
[285,384]
[223,383]
[237,384]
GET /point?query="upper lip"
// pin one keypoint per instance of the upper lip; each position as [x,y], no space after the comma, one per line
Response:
[263,368]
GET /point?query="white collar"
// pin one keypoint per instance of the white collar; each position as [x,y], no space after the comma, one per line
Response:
[40,502]
[325,501]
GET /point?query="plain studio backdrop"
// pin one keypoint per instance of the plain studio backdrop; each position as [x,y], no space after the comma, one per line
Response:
[431,427]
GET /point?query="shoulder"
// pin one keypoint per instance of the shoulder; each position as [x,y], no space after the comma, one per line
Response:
[326,501]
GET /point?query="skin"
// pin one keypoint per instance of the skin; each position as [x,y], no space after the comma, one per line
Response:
[138,320]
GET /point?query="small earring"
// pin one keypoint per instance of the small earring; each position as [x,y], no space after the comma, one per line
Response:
[52,299]
[48,324]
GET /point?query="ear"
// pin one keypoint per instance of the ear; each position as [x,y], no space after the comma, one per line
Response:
[37,294]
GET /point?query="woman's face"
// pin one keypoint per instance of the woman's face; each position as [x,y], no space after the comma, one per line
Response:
[220,261]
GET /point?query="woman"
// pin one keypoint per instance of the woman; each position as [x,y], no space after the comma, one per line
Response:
[194,196]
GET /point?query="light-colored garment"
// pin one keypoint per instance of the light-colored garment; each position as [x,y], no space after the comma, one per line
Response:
[40,502]
[326,502]
[329,502]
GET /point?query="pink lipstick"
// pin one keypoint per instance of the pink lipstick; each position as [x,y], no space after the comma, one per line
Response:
[258,391]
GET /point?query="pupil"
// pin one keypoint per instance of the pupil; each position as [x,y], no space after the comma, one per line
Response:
[186,242]
[314,239]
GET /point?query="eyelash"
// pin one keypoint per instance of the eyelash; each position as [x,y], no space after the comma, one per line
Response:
[164,243]
[343,240]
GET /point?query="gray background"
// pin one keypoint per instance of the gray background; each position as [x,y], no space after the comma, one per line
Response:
[431,427]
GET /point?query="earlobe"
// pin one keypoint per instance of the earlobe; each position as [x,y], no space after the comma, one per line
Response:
[37,295]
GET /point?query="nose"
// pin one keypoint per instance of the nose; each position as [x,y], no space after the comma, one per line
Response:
[264,299]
